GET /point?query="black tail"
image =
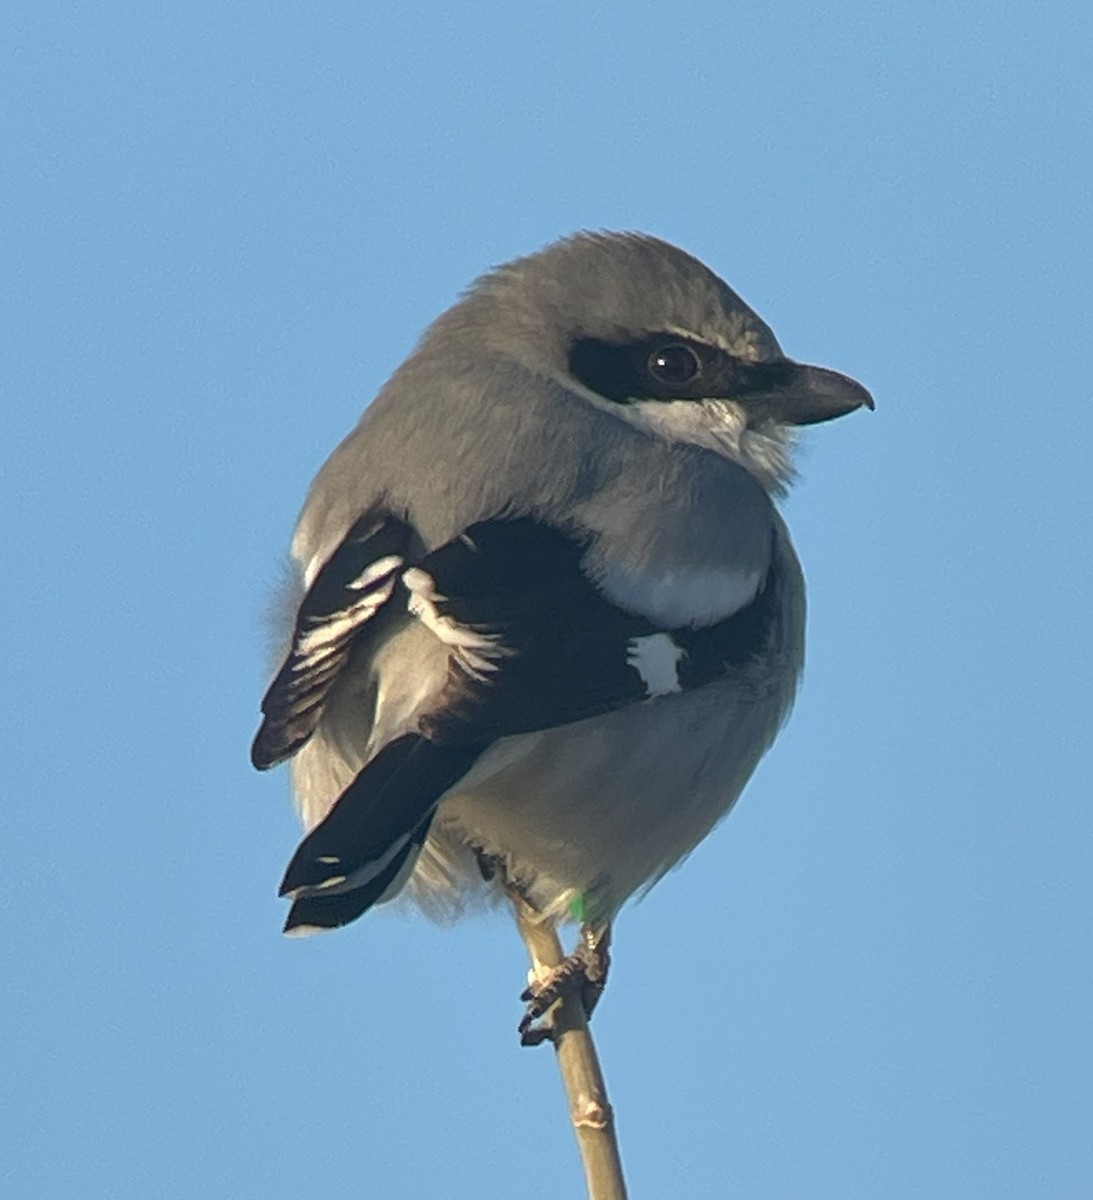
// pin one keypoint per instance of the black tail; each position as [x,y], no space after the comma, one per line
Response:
[329,910]
[373,833]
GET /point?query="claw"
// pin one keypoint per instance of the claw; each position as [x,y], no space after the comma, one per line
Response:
[583,972]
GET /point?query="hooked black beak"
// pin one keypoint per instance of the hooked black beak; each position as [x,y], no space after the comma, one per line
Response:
[797,394]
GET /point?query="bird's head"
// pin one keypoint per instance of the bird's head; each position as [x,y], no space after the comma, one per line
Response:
[646,331]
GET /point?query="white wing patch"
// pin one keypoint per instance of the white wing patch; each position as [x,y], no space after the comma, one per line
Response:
[656,660]
[681,597]
[475,652]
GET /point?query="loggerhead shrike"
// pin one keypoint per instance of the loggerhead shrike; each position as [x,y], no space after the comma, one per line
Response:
[551,618]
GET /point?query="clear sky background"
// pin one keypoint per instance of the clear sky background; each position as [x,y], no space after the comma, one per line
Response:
[223,226]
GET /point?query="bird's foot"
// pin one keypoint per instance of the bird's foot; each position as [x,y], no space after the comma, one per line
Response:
[583,973]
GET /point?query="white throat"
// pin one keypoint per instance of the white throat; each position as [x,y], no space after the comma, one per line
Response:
[721,426]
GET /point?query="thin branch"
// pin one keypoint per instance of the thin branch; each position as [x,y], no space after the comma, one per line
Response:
[589,1109]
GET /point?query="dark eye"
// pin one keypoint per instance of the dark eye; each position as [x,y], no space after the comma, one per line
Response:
[674,364]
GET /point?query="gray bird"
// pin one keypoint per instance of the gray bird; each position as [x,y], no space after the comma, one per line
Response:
[551,618]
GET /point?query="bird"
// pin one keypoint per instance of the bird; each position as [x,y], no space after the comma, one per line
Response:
[549,615]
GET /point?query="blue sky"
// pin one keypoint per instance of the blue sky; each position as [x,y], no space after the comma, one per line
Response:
[223,226]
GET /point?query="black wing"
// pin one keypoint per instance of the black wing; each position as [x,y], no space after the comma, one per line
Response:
[534,644]
[560,647]
[562,651]
[350,589]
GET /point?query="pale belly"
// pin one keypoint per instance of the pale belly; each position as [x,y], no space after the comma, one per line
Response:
[599,809]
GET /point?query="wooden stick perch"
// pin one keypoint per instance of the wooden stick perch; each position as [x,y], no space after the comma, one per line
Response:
[589,1109]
